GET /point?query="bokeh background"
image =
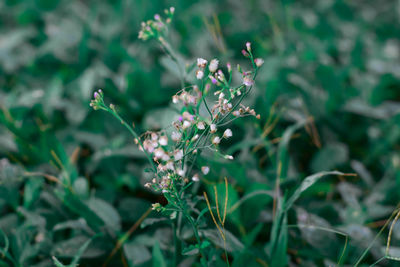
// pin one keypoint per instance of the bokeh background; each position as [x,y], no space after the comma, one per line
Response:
[334,62]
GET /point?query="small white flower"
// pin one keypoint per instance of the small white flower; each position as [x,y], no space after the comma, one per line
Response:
[163,140]
[165,157]
[176,136]
[228,157]
[178,155]
[199,74]
[200,125]
[213,65]
[259,62]
[154,136]
[194,138]
[186,115]
[159,153]
[216,140]
[205,170]
[195,178]
[236,113]
[248,81]
[175,99]
[186,124]
[170,165]
[213,128]
[149,146]
[157,206]
[180,172]
[227,133]
[201,62]
[147,185]
[221,95]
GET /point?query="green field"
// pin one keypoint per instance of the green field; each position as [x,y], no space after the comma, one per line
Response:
[120,148]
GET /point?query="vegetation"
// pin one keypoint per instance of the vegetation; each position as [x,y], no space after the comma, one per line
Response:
[235,133]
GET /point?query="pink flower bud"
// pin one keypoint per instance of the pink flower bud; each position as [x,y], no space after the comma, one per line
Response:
[248,46]
[259,62]
[229,66]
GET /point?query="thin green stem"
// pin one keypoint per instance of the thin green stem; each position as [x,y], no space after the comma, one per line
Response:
[176,241]
[189,218]
[168,50]
[130,129]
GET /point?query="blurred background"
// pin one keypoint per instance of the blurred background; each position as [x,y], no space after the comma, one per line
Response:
[334,62]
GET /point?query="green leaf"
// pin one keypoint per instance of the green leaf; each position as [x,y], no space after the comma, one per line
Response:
[329,157]
[283,149]
[158,258]
[136,253]
[278,245]
[32,191]
[81,250]
[190,250]
[77,256]
[232,243]
[308,181]
[57,262]
[106,212]
[80,208]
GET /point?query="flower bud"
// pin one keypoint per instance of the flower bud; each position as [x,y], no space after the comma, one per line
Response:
[216,140]
[199,74]
[259,62]
[213,128]
[213,65]
[205,170]
[248,46]
[227,133]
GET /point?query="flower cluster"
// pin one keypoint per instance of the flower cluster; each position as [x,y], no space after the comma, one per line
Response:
[194,130]
[205,109]
[155,28]
[172,151]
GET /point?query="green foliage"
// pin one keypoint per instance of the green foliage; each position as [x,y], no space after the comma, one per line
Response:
[72,180]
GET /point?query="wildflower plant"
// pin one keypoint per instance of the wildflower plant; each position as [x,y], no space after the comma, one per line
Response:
[206,108]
